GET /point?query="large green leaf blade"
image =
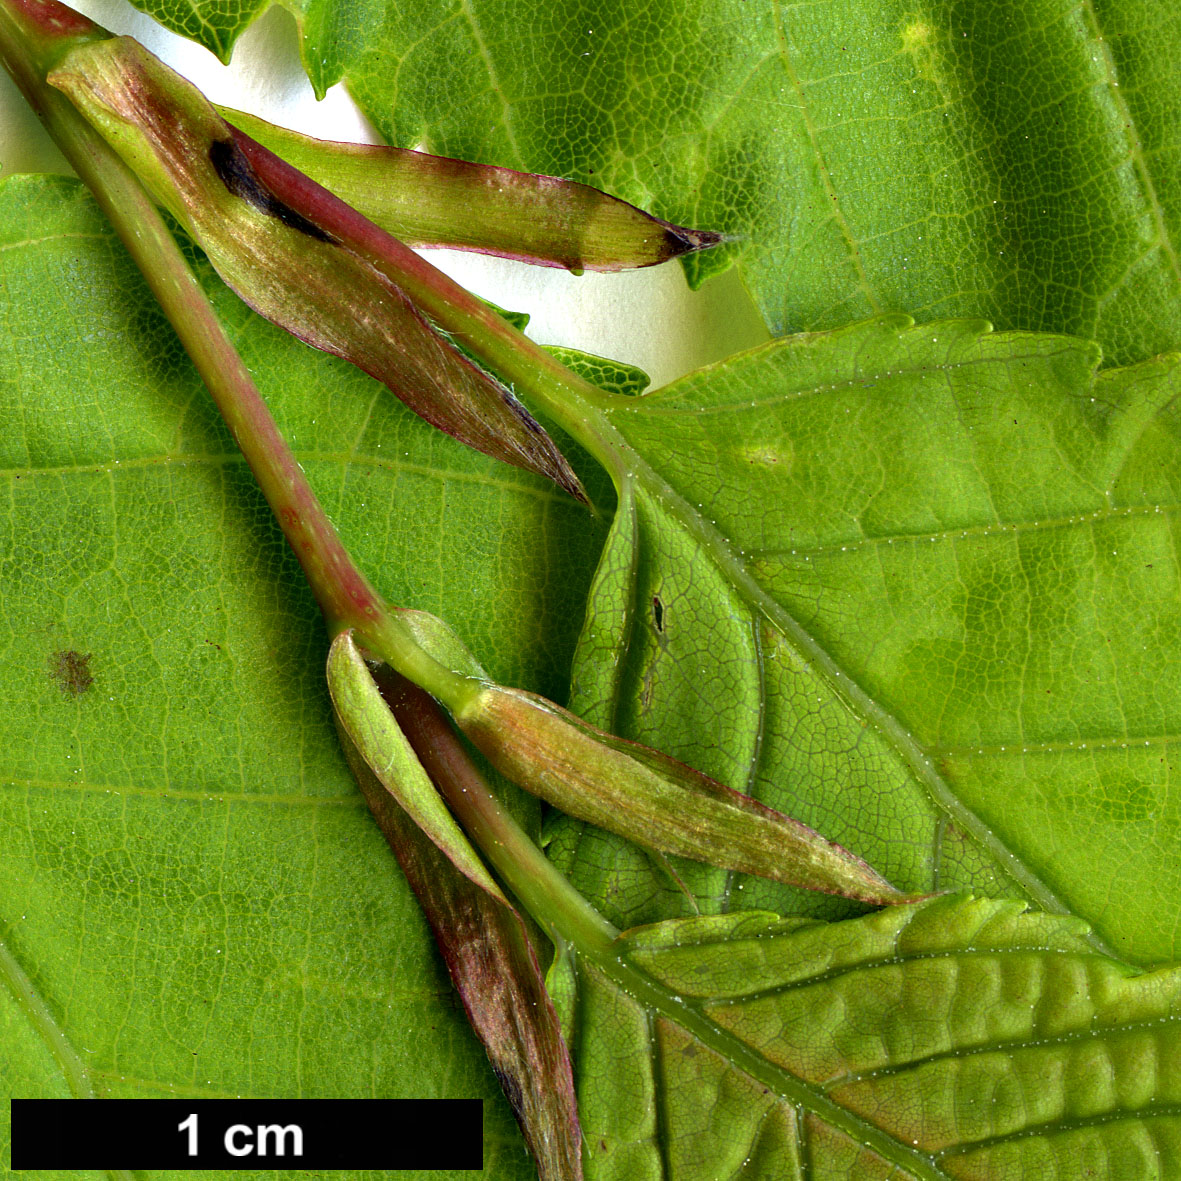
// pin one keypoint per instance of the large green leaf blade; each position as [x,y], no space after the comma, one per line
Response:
[914,587]
[961,1037]
[191,881]
[1017,162]
[1123,447]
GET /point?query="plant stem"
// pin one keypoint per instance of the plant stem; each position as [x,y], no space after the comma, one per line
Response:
[345,595]
[542,889]
[570,920]
[342,590]
[570,401]
[573,403]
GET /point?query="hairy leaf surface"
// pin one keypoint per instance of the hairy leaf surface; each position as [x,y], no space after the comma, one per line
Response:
[960,1038]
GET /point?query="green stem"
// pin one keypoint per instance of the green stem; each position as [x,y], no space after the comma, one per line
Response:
[580,409]
[571,921]
[34,35]
[541,887]
[573,403]
[32,38]
[343,592]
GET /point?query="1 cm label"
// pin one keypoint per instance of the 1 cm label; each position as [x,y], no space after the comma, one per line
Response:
[244,1140]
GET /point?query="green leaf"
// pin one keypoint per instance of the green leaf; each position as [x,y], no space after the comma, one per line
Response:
[150,536]
[1015,161]
[914,587]
[192,883]
[216,26]
[959,1038]
[617,377]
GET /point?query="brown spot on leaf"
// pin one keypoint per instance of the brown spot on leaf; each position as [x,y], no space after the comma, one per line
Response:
[70,671]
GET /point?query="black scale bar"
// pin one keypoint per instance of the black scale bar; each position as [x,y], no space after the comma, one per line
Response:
[288,1134]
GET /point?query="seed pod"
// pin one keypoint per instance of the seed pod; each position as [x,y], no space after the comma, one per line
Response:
[655,800]
[289,248]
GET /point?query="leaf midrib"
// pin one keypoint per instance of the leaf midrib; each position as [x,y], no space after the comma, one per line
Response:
[41,1018]
[854,251]
[959,532]
[172,793]
[906,748]
[341,459]
[657,999]
[1008,1047]
[1158,1110]
[1136,146]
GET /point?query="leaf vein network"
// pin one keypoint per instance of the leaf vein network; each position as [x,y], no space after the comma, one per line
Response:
[1137,147]
[380,462]
[295,799]
[1008,1046]
[486,57]
[871,965]
[654,402]
[822,166]
[1049,1127]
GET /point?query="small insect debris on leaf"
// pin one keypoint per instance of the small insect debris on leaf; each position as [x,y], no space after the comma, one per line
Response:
[70,671]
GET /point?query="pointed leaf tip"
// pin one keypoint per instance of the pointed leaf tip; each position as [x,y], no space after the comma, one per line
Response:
[681,240]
